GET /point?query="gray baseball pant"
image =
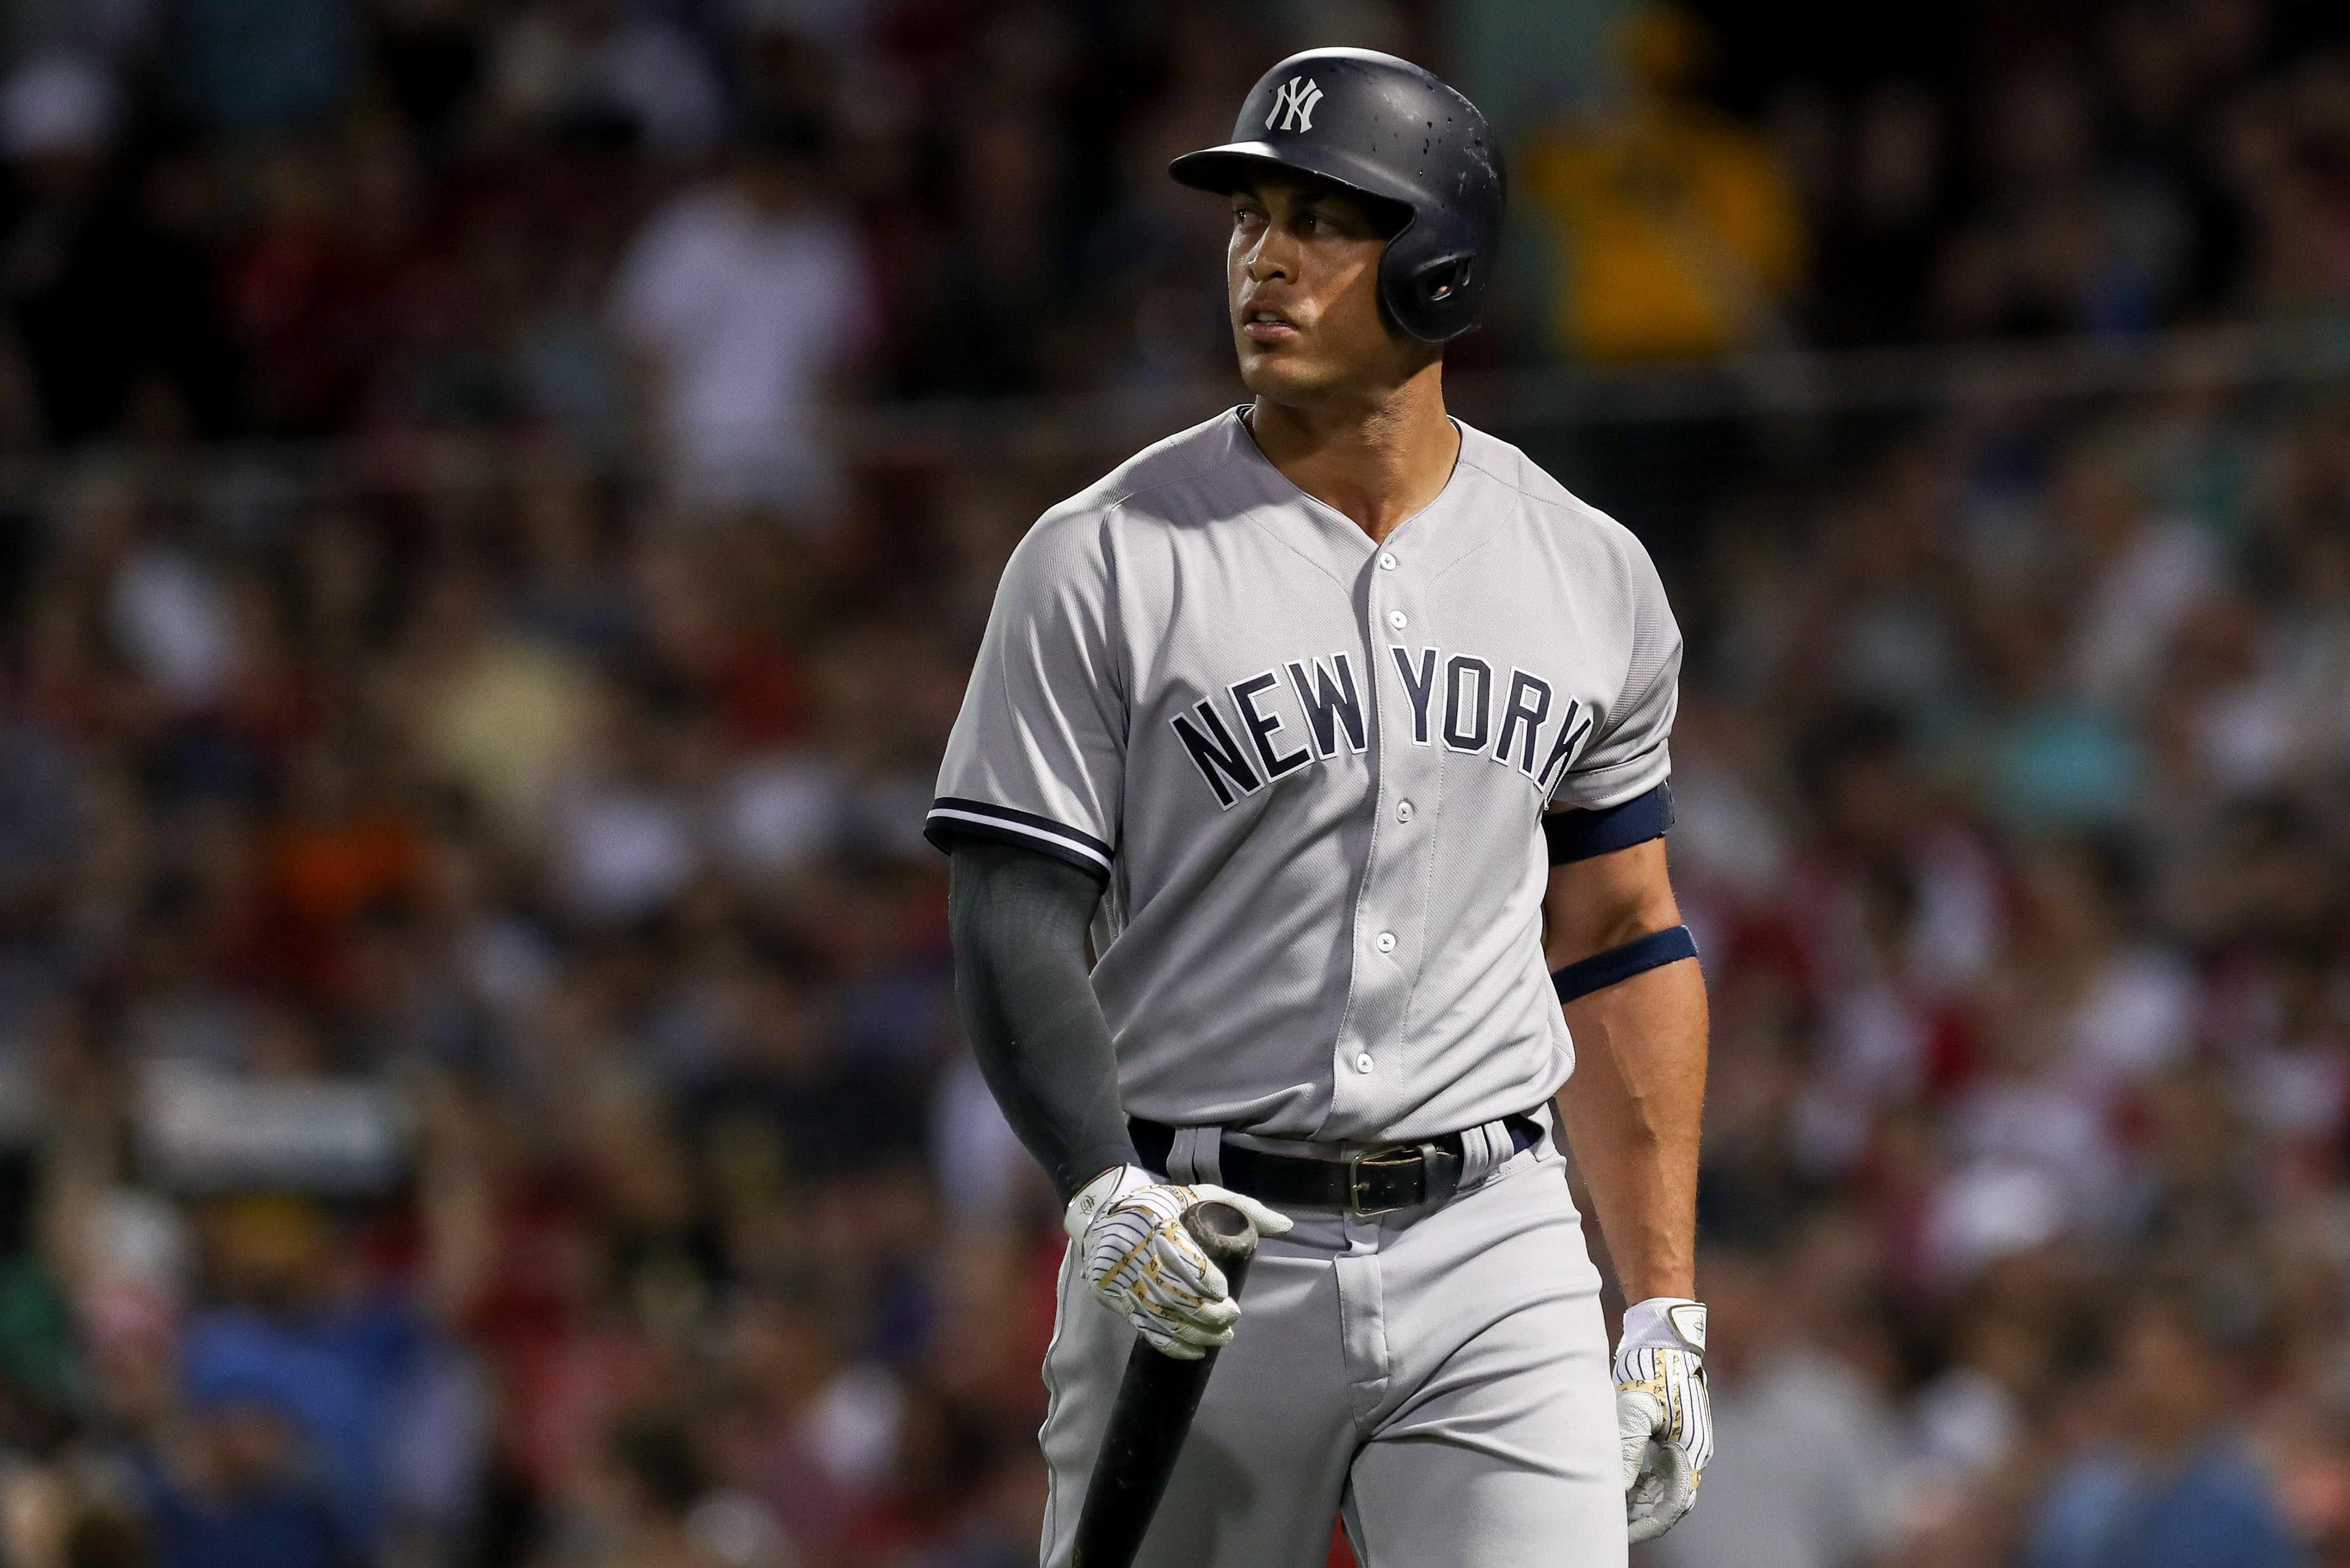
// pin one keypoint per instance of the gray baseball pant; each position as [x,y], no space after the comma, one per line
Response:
[1437,1376]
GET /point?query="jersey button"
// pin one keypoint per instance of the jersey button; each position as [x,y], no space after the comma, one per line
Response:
[1403,811]
[1386,943]
[1397,619]
[1387,561]
[1363,1063]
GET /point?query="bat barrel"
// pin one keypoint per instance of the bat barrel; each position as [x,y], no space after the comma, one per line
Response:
[1155,1401]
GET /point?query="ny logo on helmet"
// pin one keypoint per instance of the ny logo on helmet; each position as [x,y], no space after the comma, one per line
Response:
[1293,106]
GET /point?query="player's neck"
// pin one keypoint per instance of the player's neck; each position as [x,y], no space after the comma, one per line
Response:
[1376,462]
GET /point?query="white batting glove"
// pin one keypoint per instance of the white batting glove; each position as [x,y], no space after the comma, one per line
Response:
[1662,1413]
[1144,1266]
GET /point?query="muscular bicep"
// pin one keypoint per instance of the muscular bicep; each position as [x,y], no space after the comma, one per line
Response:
[1606,900]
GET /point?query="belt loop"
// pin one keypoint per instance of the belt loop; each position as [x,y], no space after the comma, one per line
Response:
[1197,1155]
[1483,1147]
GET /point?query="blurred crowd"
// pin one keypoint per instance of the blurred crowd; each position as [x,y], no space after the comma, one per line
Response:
[479,1083]
[684,230]
[2016,771]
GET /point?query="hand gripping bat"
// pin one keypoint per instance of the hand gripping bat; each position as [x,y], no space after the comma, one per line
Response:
[1155,1401]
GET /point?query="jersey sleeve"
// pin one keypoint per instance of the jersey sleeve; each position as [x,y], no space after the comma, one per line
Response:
[1628,757]
[1037,756]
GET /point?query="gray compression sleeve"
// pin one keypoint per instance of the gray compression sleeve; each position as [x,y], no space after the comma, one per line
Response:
[1019,922]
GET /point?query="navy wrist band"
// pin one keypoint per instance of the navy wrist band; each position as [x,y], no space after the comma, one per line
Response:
[1619,964]
[1580,835]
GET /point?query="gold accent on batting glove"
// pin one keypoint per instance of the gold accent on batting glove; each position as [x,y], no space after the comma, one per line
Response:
[1664,1417]
[1141,1263]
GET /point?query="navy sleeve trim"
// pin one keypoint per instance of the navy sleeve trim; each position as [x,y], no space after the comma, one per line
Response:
[1620,963]
[951,818]
[1581,835]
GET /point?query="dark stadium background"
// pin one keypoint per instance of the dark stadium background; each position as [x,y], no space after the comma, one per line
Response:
[497,504]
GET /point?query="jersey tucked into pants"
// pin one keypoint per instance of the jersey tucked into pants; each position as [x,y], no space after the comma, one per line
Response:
[1437,1378]
[1311,772]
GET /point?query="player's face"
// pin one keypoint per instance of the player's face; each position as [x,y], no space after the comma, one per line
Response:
[1302,276]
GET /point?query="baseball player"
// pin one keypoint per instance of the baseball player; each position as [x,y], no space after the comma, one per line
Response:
[1336,731]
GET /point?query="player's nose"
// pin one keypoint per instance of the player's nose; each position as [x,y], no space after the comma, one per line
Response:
[1268,258]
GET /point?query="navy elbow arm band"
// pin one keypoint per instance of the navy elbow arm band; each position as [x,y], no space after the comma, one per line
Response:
[1620,963]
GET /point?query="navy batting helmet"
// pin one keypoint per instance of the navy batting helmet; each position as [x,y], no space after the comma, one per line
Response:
[1390,131]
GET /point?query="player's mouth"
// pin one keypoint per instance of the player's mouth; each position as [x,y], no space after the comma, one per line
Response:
[1267,325]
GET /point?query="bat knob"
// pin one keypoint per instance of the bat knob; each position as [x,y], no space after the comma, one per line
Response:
[1223,1232]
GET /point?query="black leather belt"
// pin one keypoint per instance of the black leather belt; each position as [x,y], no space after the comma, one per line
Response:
[1375,1181]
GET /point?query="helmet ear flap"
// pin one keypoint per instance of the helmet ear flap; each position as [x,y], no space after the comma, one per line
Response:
[1437,297]
[1441,280]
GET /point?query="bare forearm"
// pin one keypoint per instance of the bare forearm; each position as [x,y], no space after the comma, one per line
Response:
[1631,1113]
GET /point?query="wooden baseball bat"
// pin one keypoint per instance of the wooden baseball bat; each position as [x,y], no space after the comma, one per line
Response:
[1155,1401]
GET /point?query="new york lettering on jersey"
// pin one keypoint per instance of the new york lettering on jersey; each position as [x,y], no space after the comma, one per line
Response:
[1311,771]
[1463,715]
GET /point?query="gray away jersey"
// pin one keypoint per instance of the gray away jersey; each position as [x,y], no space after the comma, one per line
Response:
[1312,771]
